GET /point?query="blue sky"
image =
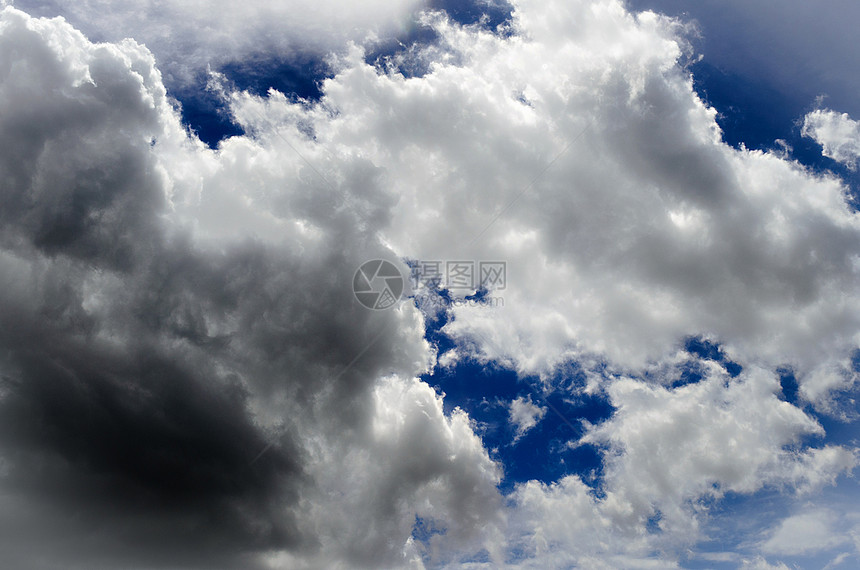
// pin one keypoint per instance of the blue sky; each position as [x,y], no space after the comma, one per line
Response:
[670,380]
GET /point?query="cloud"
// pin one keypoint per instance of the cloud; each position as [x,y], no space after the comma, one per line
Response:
[184,364]
[760,563]
[806,533]
[668,454]
[186,36]
[706,439]
[524,415]
[411,461]
[631,225]
[562,524]
[836,133]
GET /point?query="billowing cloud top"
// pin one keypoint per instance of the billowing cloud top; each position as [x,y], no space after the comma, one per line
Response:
[836,133]
[188,381]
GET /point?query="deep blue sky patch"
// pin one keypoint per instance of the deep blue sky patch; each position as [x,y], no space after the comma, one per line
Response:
[544,453]
[207,115]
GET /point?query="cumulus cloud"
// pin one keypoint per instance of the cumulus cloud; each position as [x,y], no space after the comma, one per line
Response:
[670,452]
[837,133]
[601,178]
[183,361]
[706,439]
[524,414]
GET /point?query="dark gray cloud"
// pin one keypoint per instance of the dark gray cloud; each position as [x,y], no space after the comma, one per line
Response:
[172,398]
[130,438]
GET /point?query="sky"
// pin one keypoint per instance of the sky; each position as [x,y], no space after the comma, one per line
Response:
[429,284]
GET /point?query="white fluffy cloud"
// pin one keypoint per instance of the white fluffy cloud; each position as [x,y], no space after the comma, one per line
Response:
[411,461]
[644,230]
[837,133]
[524,414]
[670,452]
[706,439]
[179,326]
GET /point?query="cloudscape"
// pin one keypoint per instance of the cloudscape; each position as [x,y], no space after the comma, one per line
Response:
[428,284]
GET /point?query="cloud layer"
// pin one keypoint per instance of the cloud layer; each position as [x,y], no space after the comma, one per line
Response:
[187,379]
[189,35]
